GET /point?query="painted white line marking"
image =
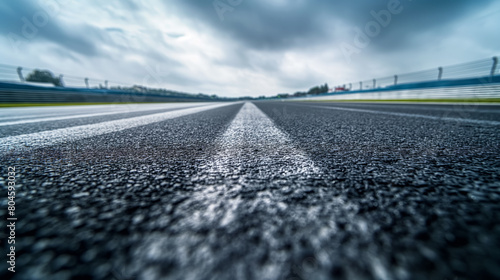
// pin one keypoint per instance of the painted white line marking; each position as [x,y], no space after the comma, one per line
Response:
[482,122]
[63,135]
[253,148]
[27,117]
[47,111]
[59,118]
[253,139]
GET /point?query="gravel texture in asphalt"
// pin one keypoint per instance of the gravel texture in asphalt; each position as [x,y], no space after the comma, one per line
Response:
[262,190]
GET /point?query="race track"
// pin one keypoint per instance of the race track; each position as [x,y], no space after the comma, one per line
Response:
[254,190]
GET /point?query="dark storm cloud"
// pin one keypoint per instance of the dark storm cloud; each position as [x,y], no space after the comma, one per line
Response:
[435,19]
[26,21]
[269,25]
[257,24]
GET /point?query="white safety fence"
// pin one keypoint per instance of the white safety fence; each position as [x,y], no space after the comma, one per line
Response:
[455,92]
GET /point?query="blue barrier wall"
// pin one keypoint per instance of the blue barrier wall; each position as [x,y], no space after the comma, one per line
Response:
[427,85]
[26,93]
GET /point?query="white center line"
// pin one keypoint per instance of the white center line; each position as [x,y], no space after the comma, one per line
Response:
[482,122]
[251,154]
[63,135]
[253,139]
[252,148]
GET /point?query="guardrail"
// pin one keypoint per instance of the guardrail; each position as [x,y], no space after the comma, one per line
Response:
[24,93]
[463,92]
[479,68]
[14,93]
[467,81]
[15,89]
[11,73]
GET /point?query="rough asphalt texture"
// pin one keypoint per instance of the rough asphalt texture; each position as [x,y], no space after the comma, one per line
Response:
[365,196]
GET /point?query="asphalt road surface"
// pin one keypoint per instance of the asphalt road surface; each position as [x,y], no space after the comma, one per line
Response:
[262,190]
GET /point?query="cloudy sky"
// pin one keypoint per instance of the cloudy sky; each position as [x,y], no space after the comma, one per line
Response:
[245,47]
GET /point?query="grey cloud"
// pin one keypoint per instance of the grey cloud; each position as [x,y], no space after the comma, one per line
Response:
[256,36]
[125,43]
[271,29]
[243,58]
[259,25]
[266,25]
[435,19]
[114,29]
[129,4]
[124,10]
[31,23]
[160,74]
[175,35]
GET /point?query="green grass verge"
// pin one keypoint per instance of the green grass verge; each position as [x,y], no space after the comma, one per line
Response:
[4,105]
[472,100]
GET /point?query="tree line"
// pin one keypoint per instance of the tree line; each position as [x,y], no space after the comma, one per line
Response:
[312,91]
